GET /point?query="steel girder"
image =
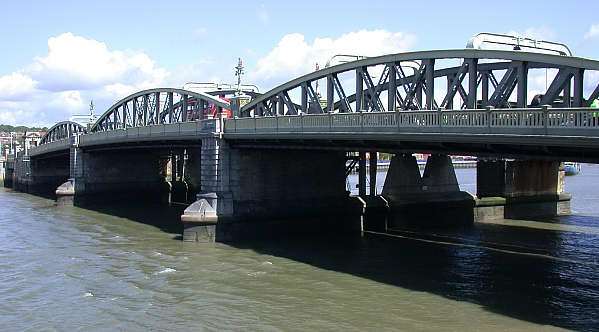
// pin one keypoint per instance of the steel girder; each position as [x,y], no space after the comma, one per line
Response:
[61,131]
[154,107]
[484,78]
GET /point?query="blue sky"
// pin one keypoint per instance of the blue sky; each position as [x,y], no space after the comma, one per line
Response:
[59,54]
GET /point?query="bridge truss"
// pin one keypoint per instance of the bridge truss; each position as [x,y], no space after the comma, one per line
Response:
[432,80]
[61,131]
[156,107]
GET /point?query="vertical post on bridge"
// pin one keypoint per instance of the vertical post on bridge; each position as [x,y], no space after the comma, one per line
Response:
[392,88]
[145,109]
[280,110]
[522,84]
[304,98]
[430,83]
[330,97]
[362,174]
[578,87]
[157,107]
[373,170]
[472,80]
[485,88]
[134,115]
[359,89]
[183,108]
[171,103]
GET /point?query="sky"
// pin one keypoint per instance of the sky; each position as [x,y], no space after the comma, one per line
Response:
[57,56]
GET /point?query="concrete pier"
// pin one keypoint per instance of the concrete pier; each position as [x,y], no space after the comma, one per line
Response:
[435,196]
[257,192]
[520,189]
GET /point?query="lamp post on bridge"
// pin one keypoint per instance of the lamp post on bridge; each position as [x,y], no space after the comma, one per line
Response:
[240,98]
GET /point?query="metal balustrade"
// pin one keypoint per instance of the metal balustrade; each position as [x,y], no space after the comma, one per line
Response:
[578,122]
[539,121]
[58,145]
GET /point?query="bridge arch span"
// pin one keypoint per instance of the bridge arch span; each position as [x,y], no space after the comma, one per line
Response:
[62,130]
[478,78]
[156,106]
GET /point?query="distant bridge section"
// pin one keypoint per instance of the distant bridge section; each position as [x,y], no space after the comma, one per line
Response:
[58,138]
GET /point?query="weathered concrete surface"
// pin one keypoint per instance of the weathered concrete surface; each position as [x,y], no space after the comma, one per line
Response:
[531,188]
[489,208]
[435,197]
[258,193]
[104,176]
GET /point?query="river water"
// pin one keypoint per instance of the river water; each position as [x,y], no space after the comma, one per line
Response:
[74,269]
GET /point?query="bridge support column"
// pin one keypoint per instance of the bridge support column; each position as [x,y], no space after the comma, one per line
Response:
[214,202]
[433,199]
[520,189]
[253,193]
[65,193]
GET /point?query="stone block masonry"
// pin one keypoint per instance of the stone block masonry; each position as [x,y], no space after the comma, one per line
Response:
[248,193]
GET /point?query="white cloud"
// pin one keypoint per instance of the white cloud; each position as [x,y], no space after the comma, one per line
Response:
[16,86]
[75,70]
[593,32]
[294,56]
[75,62]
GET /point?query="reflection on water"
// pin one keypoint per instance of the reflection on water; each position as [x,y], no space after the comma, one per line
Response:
[66,268]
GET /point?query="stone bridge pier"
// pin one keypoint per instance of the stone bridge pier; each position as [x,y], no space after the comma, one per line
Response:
[434,198]
[519,189]
[249,193]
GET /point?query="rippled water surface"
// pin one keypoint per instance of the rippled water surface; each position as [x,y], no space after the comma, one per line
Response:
[76,269]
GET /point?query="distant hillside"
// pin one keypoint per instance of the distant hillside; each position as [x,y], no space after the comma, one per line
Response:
[9,128]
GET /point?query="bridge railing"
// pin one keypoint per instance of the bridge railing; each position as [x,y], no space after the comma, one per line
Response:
[178,130]
[525,121]
[58,145]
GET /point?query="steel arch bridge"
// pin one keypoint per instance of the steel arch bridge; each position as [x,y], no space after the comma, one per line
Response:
[61,131]
[154,107]
[431,80]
